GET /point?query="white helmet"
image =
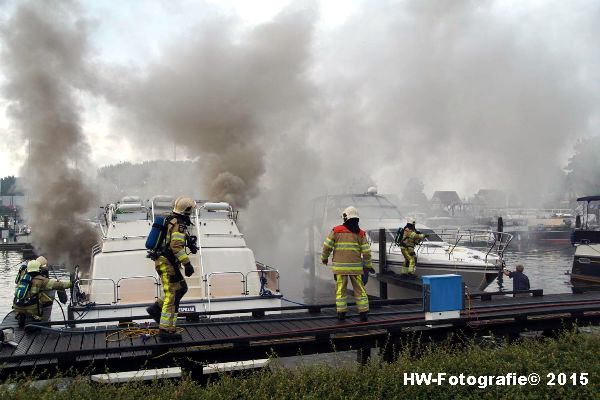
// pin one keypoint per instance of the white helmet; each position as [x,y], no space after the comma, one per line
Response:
[350,212]
[33,266]
[43,262]
[184,206]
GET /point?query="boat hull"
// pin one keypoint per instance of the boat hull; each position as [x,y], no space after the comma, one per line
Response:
[586,265]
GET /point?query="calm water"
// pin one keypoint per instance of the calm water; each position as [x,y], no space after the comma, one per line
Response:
[546,267]
[9,266]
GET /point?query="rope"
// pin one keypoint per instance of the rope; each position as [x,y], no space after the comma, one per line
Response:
[471,314]
[293,302]
[132,330]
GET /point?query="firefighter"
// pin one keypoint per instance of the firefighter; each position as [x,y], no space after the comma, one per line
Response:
[351,256]
[29,292]
[168,267]
[410,238]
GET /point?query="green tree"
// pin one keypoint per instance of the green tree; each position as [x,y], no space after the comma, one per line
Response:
[413,197]
[583,168]
[8,187]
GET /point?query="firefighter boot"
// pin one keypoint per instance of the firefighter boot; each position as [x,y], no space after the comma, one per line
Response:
[21,319]
[154,312]
[168,336]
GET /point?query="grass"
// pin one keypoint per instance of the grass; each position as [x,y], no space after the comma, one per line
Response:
[570,353]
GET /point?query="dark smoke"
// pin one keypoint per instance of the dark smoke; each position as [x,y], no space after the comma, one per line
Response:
[44,45]
[225,97]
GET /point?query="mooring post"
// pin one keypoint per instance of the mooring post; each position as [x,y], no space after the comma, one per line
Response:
[383,293]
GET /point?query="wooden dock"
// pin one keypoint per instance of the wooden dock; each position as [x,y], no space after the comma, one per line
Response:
[293,330]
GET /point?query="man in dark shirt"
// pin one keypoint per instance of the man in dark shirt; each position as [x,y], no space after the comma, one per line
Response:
[520,280]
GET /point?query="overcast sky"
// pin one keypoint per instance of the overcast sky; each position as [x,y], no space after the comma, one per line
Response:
[469,89]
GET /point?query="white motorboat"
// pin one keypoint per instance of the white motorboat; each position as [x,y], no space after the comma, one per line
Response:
[446,253]
[122,282]
[443,253]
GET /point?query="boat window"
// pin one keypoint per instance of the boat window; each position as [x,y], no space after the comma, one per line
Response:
[374,236]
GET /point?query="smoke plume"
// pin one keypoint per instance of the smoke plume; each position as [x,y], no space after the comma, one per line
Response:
[44,45]
[225,97]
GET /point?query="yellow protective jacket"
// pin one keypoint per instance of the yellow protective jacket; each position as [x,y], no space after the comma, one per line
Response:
[351,251]
[39,284]
[411,238]
[175,240]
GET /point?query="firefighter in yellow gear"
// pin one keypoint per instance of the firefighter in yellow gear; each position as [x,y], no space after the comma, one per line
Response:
[168,267]
[351,257]
[29,294]
[410,238]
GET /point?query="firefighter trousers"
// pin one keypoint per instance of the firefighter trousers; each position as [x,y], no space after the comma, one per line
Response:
[360,294]
[410,261]
[174,288]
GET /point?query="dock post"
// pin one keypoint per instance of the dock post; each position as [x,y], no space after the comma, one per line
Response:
[383,292]
[362,355]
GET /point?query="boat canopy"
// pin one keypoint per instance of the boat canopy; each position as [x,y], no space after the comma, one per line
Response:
[589,198]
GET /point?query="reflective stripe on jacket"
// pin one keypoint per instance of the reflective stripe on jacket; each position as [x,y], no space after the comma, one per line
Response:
[351,251]
[175,240]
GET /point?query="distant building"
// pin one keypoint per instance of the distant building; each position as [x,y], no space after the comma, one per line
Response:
[446,201]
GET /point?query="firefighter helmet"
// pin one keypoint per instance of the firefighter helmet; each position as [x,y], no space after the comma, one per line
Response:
[350,212]
[184,206]
[33,266]
[42,260]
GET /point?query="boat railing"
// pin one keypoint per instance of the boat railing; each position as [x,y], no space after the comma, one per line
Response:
[88,283]
[486,241]
[240,235]
[107,287]
[140,290]
[214,289]
[268,280]
[125,237]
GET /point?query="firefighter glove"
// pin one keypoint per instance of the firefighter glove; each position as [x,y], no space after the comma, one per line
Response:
[189,270]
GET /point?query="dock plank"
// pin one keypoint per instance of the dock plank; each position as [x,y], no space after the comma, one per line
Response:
[499,314]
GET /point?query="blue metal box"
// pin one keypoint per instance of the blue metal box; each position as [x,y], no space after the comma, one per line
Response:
[442,293]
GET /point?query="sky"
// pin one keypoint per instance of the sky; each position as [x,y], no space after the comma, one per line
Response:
[347,36]
[282,101]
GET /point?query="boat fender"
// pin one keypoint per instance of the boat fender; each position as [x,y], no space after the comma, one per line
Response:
[156,237]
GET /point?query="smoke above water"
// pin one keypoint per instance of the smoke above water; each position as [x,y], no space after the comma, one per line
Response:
[44,48]
[462,94]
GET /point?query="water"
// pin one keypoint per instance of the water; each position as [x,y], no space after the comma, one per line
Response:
[546,267]
[10,261]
